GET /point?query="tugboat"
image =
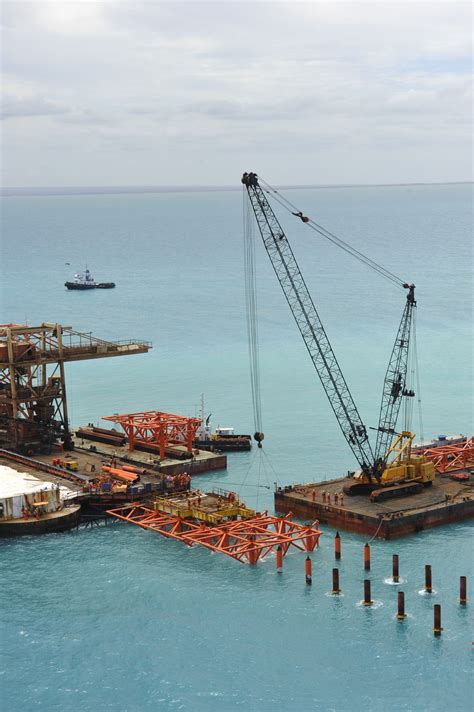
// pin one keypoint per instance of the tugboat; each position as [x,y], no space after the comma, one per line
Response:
[222,439]
[84,280]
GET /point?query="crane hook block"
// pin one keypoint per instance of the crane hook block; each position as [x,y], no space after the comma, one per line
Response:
[259,437]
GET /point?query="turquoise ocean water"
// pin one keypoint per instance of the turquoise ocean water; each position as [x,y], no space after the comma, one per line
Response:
[117,618]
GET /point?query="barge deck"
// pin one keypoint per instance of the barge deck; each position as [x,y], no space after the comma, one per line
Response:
[200,462]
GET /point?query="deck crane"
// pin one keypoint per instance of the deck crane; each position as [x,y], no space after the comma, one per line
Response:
[375,468]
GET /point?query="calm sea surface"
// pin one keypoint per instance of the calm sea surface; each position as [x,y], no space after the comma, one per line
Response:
[119,619]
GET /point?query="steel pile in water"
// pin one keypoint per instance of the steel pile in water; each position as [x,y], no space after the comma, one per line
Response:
[244,540]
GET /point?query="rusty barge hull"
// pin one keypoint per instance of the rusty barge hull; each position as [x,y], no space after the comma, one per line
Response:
[446,502]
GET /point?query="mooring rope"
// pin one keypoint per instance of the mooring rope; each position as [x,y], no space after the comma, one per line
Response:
[382,519]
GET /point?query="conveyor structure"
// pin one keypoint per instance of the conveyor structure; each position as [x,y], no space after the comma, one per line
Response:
[33,402]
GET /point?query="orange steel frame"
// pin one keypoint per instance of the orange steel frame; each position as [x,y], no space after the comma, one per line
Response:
[451,457]
[157,428]
[244,540]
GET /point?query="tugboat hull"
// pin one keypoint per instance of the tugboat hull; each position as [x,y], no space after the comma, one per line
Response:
[76,285]
[99,285]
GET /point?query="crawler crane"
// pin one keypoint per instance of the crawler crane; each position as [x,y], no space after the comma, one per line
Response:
[390,469]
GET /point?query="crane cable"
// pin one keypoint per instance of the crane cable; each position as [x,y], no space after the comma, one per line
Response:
[410,377]
[250,276]
[251,312]
[291,208]
[413,376]
[417,371]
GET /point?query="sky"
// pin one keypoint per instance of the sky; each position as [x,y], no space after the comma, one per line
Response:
[157,93]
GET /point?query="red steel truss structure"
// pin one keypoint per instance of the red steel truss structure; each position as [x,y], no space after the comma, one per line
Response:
[451,457]
[157,429]
[246,540]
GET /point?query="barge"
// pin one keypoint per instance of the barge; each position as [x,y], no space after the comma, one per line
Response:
[31,505]
[446,501]
[177,459]
[61,521]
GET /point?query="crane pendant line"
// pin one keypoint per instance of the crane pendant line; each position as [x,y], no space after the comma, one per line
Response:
[302,307]
[394,387]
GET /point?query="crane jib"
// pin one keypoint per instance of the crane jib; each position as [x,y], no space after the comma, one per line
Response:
[395,385]
[306,316]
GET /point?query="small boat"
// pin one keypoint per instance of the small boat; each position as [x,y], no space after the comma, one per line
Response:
[222,439]
[84,280]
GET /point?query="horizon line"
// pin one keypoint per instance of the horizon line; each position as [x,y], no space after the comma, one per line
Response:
[31,191]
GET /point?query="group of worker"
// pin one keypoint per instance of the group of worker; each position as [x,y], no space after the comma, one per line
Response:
[29,511]
[222,501]
[96,485]
[195,500]
[327,498]
[178,482]
[338,498]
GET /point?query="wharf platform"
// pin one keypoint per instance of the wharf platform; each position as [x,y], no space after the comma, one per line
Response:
[82,480]
[446,501]
[203,461]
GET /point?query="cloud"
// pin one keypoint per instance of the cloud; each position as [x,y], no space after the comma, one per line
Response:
[35,106]
[173,79]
